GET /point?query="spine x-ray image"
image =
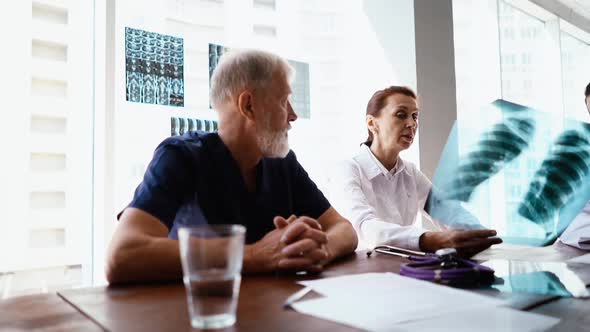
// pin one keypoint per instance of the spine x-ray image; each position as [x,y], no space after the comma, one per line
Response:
[154,68]
[215,53]
[182,126]
[174,123]
[558,177]
[179,126]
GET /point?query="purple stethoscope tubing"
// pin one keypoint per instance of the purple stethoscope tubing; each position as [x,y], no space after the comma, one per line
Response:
[429,267]
[471,272]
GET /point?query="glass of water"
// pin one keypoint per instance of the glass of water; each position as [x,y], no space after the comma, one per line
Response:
[211,258]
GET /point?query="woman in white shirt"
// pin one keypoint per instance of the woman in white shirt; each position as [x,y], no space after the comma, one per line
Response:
[381,194]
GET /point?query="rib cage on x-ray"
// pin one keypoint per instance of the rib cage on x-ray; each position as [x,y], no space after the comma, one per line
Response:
[560,174]
[498,146]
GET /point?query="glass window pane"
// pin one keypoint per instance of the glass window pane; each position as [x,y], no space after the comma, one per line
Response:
[525,56]
[576,75]
[529,74]
[477,67]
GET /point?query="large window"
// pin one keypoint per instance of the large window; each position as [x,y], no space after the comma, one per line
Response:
[519,52]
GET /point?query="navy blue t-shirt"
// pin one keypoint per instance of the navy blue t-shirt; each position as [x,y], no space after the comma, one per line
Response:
[193,179]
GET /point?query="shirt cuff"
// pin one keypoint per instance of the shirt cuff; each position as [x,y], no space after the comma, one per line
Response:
[414,239]
[376,232]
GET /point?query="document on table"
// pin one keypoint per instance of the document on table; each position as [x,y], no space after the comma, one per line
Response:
[383,301]
[478,319]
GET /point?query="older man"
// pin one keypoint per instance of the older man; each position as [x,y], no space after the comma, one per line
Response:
[244,174]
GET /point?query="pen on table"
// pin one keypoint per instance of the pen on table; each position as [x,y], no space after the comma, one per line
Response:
[296,297]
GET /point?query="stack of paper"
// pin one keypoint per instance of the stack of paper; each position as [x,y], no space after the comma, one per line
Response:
[390,302]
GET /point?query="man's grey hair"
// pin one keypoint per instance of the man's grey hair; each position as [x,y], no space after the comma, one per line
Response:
[241,69]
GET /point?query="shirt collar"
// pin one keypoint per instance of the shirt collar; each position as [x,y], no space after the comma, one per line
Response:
[372,167]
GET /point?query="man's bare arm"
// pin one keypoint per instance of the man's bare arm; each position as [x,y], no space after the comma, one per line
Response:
[342,238]
[141,251]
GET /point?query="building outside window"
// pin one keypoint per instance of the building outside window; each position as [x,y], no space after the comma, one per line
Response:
[45,236]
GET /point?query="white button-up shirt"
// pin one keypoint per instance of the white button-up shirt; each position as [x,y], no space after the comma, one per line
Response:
[382,205]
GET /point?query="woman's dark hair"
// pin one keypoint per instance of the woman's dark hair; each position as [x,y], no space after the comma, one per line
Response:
[587,93]
[377,102]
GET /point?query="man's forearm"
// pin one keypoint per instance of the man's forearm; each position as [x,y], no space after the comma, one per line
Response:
[342,240]
[253,262]
[144,259]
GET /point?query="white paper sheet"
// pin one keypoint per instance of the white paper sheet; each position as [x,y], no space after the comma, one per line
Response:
[580,259]
[395,285]
[483,319]
[382,301]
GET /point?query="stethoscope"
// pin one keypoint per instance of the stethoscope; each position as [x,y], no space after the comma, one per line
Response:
[444,266]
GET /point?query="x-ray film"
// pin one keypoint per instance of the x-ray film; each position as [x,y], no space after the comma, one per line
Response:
[522,172]
[178,126]
[545,278]
[154,68]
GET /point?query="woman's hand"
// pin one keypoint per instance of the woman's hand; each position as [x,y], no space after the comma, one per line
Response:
[467,243]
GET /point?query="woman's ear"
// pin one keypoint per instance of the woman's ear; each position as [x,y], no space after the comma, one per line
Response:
[372,124]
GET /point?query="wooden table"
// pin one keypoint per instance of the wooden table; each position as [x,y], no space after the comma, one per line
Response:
[162,307]
[43,312]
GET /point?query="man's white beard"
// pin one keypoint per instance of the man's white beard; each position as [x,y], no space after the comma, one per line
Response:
[273,144]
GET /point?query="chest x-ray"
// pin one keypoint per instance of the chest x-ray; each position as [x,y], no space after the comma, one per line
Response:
[520,171]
